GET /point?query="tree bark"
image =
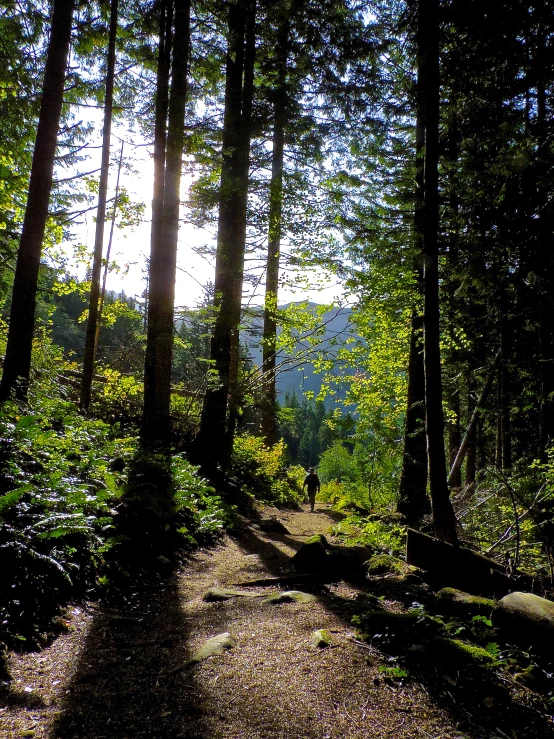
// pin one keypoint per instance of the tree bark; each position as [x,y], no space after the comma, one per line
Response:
[91,337]
[17,363]
[444,520]
[243,172]
[413,501]
[214,440]
[156,424]
[269,343]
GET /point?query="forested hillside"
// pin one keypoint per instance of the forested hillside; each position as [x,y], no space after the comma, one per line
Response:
[401,148]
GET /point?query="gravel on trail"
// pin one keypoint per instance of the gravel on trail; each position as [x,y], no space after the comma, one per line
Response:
[124,672]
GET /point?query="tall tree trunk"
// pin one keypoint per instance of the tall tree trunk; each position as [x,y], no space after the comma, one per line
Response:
[17,363]
[444,520]
[244,167]
[269,343]
[215,436]
[156,424]
[160,140]
[110,238]
[545,257]
[93,317]
[413,501]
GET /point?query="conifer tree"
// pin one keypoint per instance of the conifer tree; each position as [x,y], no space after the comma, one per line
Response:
[93,317]
[17,362]
[215,438]
[156,423]
[444,521]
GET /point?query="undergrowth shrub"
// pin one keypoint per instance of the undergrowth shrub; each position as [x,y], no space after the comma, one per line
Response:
[185,417]
[64,483]
[201,514]
[118,398]
[382,535]
[57,492]
[510,515]
[262,471]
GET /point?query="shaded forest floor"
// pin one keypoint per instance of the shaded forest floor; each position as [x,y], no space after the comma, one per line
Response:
[120,672]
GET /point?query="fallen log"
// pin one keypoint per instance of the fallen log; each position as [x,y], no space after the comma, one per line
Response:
[455,566]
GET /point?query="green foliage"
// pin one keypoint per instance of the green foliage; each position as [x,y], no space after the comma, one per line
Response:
[118,398]
[338,464]
[510,515]
[262,471]
[201,514]
[63,480]
[58,492]
[186,411]
[362,479]
[378,534]
[394,672]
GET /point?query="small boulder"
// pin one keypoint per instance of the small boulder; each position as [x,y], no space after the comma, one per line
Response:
[290,596]
[528,618]
[312,556]
[348,562]
[272,526]
[321,638]
[212,647]
[332,562]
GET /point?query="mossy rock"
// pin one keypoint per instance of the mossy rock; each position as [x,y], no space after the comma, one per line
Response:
[348,562]
[331,562]
[213,647]
[457,602]
[312,556]
[290,596]
[321,638]
[534,678]
[528,611]
[318,539]
[457,653]
[380,564]
[381,619]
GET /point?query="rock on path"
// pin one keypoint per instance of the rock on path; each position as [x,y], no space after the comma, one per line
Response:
[126,674]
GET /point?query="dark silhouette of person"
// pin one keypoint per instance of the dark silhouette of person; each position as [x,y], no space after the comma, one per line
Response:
[312,483]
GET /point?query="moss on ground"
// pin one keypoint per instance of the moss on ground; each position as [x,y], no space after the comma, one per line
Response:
[380,564]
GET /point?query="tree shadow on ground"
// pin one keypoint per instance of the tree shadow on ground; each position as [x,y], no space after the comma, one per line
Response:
[127,682]
[478,701]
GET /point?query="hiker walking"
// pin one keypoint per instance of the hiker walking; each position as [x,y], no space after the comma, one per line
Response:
[312,483]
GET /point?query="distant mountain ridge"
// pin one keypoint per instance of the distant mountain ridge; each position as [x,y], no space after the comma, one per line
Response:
[300,379]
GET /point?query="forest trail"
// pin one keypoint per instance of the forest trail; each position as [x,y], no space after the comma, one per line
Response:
[120,673]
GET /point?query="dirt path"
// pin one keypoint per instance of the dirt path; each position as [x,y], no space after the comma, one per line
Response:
[118,673]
